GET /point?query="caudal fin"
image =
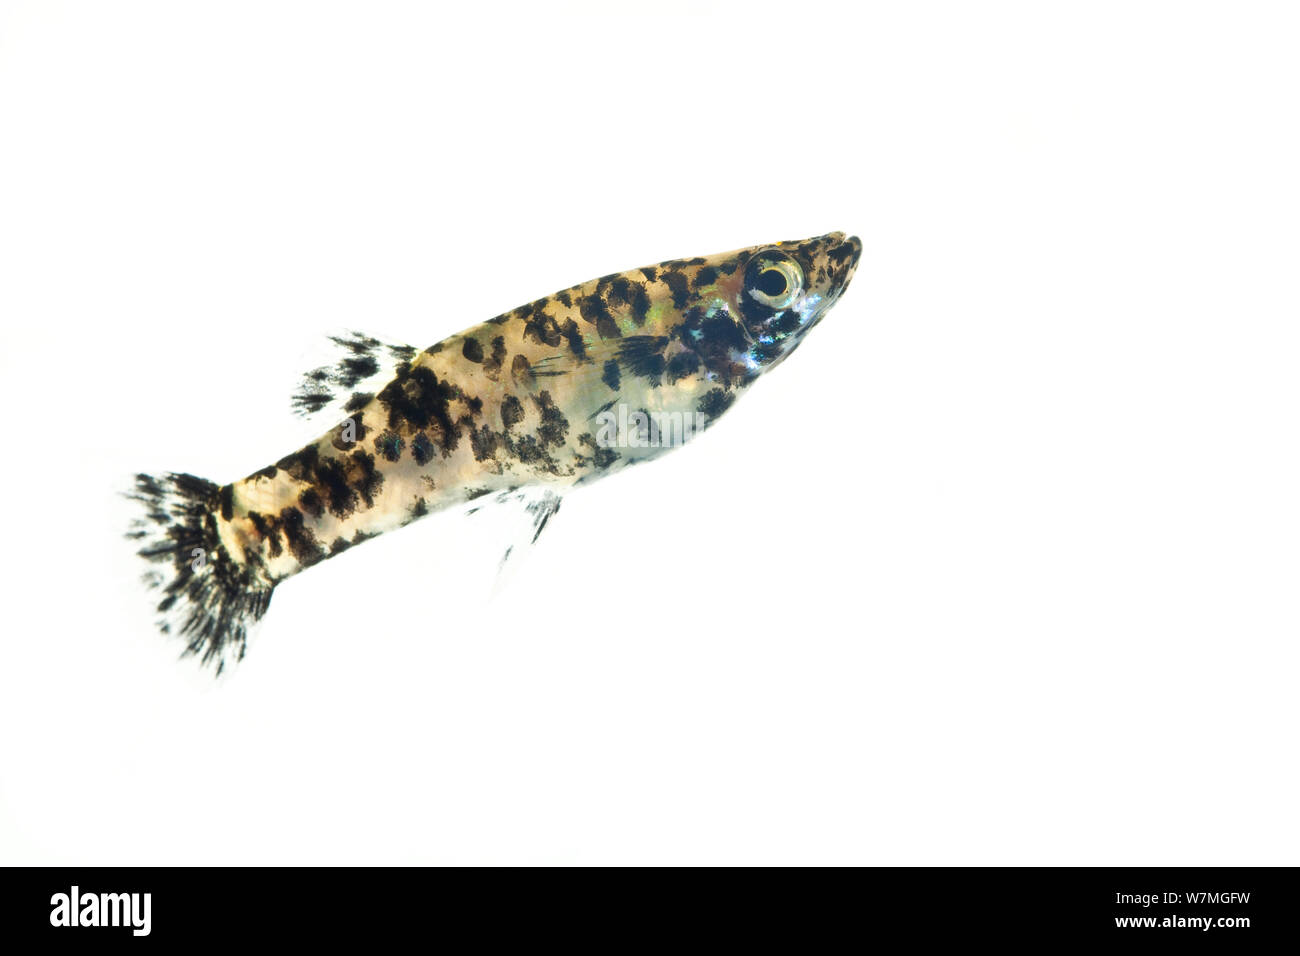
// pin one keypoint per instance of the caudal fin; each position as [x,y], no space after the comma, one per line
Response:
[210,598]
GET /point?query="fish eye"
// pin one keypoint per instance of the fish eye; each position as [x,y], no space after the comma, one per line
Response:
[772,282]
[773,279]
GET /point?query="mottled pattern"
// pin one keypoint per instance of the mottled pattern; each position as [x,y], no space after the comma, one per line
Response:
[512,403]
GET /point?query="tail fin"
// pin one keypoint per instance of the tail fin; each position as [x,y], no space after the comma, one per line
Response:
[210,597]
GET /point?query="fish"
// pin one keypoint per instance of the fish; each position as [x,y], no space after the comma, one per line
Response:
[522,408]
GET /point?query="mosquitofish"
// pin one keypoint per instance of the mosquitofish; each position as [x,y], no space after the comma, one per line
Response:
[560,392]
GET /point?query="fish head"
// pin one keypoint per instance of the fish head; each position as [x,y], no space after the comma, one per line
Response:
[748,309]
[786,288]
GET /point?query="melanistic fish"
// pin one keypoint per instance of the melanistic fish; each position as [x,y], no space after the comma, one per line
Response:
[562,391]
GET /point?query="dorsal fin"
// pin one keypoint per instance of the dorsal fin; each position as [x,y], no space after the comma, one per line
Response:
[348,369]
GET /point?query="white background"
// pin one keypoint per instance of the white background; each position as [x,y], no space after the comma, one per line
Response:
[1000,568]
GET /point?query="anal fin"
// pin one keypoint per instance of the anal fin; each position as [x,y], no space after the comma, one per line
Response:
[526,512]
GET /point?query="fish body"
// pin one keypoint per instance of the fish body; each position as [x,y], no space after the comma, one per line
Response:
[559,392]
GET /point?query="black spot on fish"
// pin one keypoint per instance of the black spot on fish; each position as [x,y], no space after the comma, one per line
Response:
[520,369]
[554,425]
[611,375]
[542,329]
[681,365]
[389,444]
[601,457]
[497,358]
[784,323]
[309,501]
[624,291]
[415,399]
[227,494]
[483,441]
[365,478]
[422,449]
[640,305]
[594,310]
[677,284]
[530,451]
[512,411]
[472,350]
[706,276]
[573,336]
[840,253]
[268,529]
[358,401]
[332,482]
[714,339]
[299,465]
[620,290]
[715,402]
[259,522]
[302,542]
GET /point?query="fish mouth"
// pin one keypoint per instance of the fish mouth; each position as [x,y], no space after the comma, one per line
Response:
[842,251]
[854,244]
[845,248]
[842,256]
